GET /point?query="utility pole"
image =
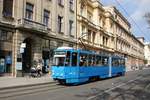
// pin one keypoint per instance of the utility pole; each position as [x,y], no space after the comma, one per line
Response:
[81,37]
[82,2]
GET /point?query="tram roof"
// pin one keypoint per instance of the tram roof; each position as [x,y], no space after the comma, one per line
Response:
[83,51]
[72,49]
[65,48]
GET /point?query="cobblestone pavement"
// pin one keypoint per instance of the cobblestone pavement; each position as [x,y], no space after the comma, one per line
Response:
[138,89]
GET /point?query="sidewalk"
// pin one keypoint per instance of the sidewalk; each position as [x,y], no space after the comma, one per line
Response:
[9,82]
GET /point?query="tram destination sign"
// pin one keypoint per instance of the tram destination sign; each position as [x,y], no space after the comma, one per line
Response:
[60,53]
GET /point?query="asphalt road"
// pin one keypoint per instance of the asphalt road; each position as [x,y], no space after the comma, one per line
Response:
[134,85]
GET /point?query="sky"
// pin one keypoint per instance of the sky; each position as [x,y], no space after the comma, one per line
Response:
[136,10]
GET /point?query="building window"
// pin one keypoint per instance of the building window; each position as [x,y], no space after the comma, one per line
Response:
[7,8]
[89,16]
[60,23]
[100,21]
[93,38]
[111,26]
[83,33]
[70,27]
[89,35]
[83,30]
[103,23]
[70,45]
[105,41]
[29,11]
[59,44]
[71,5]
[82,9]
[46,43]
[5,35]
[61,2]
[46,17]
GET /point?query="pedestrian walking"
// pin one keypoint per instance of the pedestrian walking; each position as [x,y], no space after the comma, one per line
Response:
[39,70]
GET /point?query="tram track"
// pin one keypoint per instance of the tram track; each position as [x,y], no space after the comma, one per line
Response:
[135,84]
[28,90]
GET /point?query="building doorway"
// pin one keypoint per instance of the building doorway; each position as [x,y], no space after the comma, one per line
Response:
[27,56]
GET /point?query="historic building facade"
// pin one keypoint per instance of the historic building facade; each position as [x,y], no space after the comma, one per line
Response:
[126,44]
[106,30]
[30,30]
[91,27]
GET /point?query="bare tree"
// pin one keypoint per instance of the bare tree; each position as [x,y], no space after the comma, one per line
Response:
[147,16]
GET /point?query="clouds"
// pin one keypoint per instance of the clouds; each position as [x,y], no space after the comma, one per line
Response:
[141,8]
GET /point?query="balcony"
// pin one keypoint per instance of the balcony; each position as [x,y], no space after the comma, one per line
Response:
[82,18]
[90,22]
[32,26]
[97,45]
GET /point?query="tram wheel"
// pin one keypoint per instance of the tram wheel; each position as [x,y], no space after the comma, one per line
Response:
[94,78]
[63,82]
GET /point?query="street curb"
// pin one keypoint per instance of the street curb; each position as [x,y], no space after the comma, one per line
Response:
[26,85]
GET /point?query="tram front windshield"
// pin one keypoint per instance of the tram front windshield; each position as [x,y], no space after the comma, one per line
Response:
[59,61]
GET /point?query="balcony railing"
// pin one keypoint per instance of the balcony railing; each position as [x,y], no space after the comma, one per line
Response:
[32,25]
[90,43]
[82,18]
[89,22]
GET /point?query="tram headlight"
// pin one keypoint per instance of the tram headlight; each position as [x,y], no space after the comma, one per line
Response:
[53,73]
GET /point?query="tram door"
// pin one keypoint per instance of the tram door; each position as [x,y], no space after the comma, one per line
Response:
[74,59]
[110,66]
[74,62]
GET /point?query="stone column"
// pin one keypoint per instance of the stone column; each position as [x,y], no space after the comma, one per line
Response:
[37,49]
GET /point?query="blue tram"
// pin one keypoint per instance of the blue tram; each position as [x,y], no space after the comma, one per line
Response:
[78,66]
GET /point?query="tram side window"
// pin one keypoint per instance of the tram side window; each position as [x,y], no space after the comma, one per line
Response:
[122,62]
[119,62]
[67,62]
[83,60]
[91,60]
[115,62]
[74,59]
[105,61]
[98,61]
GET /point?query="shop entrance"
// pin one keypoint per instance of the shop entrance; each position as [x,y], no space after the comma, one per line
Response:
[45,56]
[27,56]
[5,62]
